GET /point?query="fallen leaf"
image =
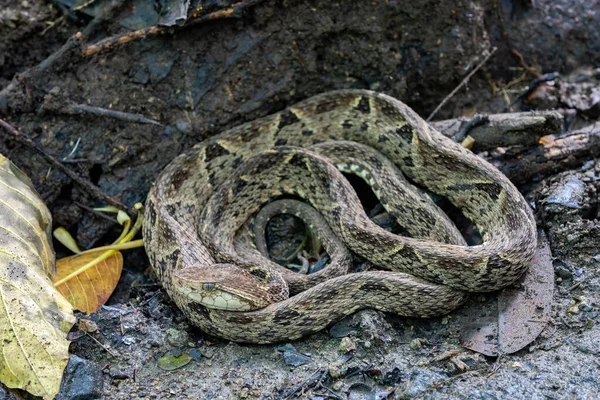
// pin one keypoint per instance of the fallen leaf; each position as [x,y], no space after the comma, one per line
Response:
[34,316]
[517,316]
[88,289]
[171,362]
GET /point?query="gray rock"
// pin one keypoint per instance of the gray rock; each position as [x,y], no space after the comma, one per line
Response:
[117,372]
[82,380]
[176,337]
[292,357]
[295,359]
[422,380]
[195,354]
[569,195]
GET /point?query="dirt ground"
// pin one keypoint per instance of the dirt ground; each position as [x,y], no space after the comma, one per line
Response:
[201,79]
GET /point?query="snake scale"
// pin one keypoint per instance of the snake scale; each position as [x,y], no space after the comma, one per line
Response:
[203,197]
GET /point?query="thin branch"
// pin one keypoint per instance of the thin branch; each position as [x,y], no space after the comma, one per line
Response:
[101,345]
[76,109]
[97,213]
[86,184]
[462,83]
[235,11]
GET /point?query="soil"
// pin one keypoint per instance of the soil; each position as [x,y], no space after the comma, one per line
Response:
[201,79]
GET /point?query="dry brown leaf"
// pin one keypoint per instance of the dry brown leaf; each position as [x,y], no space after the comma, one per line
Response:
[508,323]
[88,290]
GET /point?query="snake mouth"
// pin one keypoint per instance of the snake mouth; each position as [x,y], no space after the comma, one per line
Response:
[212,296]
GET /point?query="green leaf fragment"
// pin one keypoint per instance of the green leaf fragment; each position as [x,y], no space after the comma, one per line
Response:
[171,362]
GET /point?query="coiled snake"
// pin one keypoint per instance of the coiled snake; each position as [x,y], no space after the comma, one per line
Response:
[203,197]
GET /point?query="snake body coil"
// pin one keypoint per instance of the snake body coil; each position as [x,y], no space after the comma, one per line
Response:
[204,195]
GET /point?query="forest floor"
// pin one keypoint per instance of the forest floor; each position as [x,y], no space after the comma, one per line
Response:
[200,79]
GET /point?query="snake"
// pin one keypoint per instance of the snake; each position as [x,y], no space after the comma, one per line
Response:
[200,204]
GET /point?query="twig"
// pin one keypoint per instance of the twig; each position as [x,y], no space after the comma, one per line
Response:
[89,186]
[476,120]
[311,381]
[97,213]
[75,160]
[118,310]
[462,83]
[73,150]
[564,321]
[235,11]
[533,85]
[103,112]
[441,383]
[101,345]
[149,299]
[56,103]
[532,70]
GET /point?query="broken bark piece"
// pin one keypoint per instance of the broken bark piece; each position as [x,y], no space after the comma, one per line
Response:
[502,130]
[568,150]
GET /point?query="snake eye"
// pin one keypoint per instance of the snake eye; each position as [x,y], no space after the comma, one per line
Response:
[260,274]
[208,286]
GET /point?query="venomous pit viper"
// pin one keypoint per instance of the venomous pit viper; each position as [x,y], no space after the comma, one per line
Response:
[197,210]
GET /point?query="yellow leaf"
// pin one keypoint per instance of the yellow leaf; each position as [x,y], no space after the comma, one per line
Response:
[89,288]
[34,317]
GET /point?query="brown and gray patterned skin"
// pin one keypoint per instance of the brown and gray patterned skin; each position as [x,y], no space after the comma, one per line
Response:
[428,276]
[340,257]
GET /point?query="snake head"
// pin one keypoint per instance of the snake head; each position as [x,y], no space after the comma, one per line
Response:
[222,287]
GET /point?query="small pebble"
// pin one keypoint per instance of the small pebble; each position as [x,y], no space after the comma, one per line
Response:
[195,354]
[294,359]
[338,369]
[128,340]
[574,309]
[347,345]
[176,337]
[563,272]
[338,385]
[418,343]
[116,373]
[589,323]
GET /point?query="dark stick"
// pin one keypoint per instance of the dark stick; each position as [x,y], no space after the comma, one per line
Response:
[89,186]
[97,213]
[462,83]
[533,85]
[476,120]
